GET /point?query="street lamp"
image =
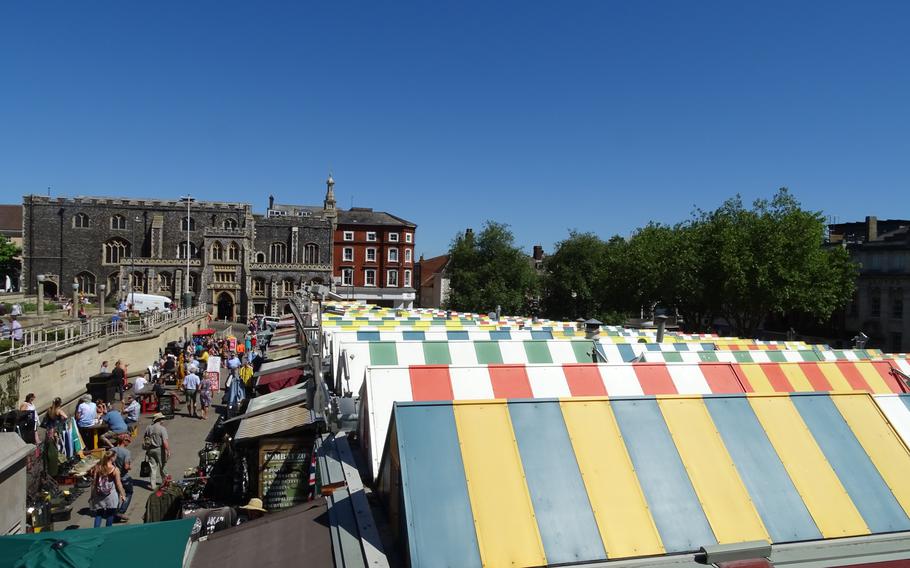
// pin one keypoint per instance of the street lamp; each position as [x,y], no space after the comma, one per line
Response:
[187,298]
[41,294]
[101,289]
[76,299]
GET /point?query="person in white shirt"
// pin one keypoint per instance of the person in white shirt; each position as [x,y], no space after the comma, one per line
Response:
[131,411]
[16,328]
[191,388]
[139,384]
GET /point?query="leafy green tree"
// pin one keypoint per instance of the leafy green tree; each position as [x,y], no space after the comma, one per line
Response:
[572,284]
[488,270]
[9,263]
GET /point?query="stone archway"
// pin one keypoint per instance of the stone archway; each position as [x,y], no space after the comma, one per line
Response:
[225,304]
[50,289]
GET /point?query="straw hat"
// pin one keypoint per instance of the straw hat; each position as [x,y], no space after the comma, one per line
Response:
[255,504]
[158,416]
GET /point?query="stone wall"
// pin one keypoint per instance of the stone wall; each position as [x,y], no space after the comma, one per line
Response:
[65,372]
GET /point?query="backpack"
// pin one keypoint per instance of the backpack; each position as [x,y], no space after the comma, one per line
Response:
[104,485]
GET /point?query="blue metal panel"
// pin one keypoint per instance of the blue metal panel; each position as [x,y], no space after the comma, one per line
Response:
[499,334]
[859,476]
[457,334]
[671,498]
[541,334]
[681,346]
[564,516]
[367,336]
[775,497]
[439,521]
[626,352]
[708,347]
[413,335]
[652,347]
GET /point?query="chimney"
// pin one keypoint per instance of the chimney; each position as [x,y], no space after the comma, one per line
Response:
[538,252]
[661,327]
[271,201]
[871,229]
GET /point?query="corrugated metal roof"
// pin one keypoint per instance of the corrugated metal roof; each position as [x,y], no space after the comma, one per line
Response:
[534,482]
[274,422]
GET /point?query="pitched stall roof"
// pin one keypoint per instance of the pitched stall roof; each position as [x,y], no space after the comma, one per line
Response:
[384,386]
[527,483]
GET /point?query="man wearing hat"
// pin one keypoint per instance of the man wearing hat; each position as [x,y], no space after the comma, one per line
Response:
[251,511]
[157,450]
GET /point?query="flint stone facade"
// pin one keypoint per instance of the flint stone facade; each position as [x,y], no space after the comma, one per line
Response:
[240,263]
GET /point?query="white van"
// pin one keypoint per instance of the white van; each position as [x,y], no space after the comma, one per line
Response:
[148,302]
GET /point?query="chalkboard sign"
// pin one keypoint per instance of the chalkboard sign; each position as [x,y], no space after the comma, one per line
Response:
[166,405]
[284,473]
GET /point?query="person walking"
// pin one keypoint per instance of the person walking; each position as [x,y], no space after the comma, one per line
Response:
[191,389]
[107,490]
[124,463]
[205,395]
[157,449]
[233,364]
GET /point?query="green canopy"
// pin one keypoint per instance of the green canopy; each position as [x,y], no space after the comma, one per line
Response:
[99,548]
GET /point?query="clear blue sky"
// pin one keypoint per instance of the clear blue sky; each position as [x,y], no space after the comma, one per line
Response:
[598,116]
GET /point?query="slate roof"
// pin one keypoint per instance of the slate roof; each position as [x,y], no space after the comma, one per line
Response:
[366,216]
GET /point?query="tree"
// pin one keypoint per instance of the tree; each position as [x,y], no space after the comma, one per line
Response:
[9,262]
[572,284]
[488,270]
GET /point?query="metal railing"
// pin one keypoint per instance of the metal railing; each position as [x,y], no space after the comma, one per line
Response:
[53,337]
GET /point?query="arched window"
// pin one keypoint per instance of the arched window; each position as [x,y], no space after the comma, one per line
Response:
[137,281]
[165,281]
[233,251]
[181,250]
[113,284]
[311,253]
[260,257]
[118,222]
[258,287]
[115,250]
[287,287]
[80,221]
[277,252]
[86,281]
[184,223]
[230,223]
[217,251]
[194,280]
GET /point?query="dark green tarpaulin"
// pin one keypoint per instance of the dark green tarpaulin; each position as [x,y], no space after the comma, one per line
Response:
[108,547]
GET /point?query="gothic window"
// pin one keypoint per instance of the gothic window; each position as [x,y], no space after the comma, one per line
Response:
[137,281]
[113,283]
[234,251]
[193,281]
[181,250]
[311,254]
[287,287]
[258,287]
[260,257]
[80,221]
[184,223]
[86,281]
[230,223]
[115,250]
[118,222]
[277,252]
[217,251]
[165,281]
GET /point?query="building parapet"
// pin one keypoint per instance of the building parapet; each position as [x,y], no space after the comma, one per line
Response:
[123,202]
[289,266]
[143,261]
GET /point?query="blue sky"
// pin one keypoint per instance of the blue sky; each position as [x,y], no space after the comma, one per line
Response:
[597,116]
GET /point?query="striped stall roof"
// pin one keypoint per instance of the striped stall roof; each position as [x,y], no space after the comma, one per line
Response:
[355,357]
[764,356]
[536,482]
[385,385]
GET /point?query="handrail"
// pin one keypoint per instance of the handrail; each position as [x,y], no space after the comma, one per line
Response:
[50,338]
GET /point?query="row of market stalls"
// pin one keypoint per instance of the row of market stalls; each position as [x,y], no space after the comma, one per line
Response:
[511,442]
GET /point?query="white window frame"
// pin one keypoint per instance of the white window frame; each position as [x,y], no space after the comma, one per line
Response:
[366,277]
[393,237]
[388,278]
[369,257]
[409,237]
[407,278]
[393,250]
[408,256]
[348,235]
[347,254]
[371,236]
[347,276]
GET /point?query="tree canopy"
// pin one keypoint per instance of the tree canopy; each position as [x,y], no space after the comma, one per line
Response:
[488,270]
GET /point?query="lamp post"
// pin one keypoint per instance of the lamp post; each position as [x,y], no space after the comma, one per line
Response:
[41,294]
[101,289]
[187,298]
[76,299]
